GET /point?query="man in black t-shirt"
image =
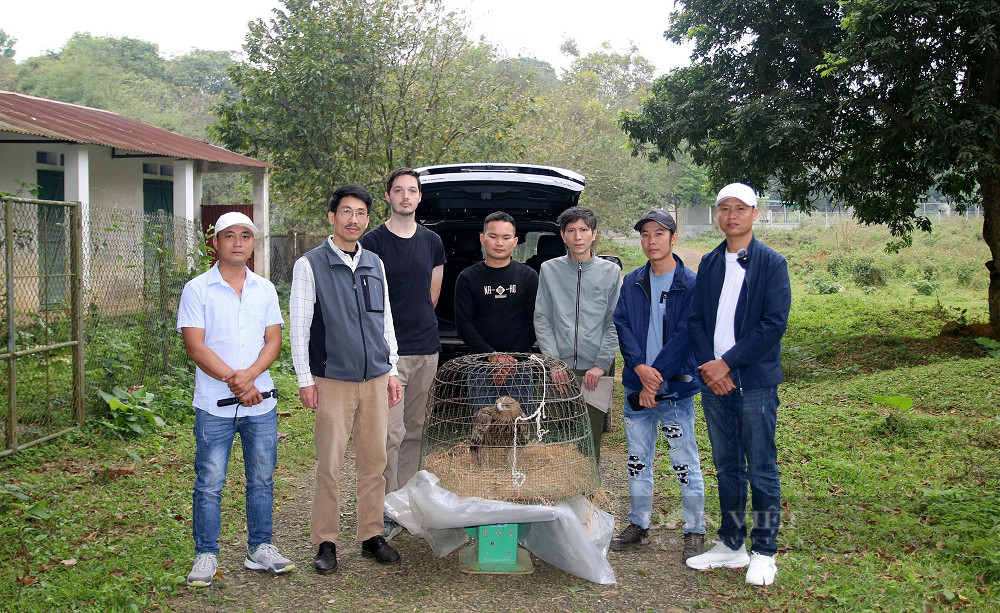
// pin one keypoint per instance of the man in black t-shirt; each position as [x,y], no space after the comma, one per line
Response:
[414,259]
[495,302]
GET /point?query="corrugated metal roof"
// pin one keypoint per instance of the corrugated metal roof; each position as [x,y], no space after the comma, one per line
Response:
[82,124]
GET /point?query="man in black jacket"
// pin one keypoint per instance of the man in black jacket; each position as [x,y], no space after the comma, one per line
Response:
[738,315]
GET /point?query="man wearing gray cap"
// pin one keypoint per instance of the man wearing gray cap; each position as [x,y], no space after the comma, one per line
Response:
[738,315]
[660,382]
[232,330]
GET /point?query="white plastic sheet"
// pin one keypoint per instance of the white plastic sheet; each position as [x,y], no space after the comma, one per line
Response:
[572,535]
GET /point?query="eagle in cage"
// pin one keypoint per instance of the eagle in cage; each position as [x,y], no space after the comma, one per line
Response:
[494,426]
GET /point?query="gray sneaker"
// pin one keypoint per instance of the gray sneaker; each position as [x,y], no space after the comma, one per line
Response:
[630,536]
[390,528]
[266,557]
[694,545]
[205,567]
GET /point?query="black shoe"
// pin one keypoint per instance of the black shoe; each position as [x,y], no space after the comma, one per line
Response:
[377,548]
[326,558]
[632,535]
[694,545]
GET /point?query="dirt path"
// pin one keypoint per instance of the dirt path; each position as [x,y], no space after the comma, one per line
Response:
[690,257]
[651,579]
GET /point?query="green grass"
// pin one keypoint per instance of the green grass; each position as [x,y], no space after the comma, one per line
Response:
[885,510]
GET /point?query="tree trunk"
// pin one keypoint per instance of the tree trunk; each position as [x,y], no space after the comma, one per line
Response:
[989,183]
[989,187]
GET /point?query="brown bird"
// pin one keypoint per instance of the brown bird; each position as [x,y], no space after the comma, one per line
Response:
[493,428]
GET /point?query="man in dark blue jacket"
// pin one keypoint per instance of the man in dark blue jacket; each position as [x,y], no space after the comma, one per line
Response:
[738,315]
[652,322]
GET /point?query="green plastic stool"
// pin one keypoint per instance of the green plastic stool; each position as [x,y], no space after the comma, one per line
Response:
[495,551]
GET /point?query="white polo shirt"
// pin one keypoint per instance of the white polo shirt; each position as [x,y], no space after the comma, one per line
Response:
[234,330]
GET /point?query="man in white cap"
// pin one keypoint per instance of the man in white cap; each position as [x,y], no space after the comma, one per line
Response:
[738,316]
[232,330]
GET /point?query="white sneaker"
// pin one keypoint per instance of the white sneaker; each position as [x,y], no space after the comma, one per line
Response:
[720,556]
[205,567]
[762,569]
[266,557]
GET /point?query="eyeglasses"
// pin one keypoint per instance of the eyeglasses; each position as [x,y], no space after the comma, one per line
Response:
[351,214]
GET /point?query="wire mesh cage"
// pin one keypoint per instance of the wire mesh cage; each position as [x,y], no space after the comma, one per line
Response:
[510,427]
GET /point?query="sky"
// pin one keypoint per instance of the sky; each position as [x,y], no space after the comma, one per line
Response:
[519,27]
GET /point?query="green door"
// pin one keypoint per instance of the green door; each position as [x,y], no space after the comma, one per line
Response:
[157,195]
[52,239]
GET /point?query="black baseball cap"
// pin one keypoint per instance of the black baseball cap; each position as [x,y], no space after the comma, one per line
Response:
[660,216]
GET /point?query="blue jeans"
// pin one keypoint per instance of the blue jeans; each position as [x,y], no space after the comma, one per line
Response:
[741,428]
[214,436]
[675,419]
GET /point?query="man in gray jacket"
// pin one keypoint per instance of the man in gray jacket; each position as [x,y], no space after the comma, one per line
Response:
[575,306]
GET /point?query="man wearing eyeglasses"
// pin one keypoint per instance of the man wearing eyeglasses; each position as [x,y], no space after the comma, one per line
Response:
[344,353]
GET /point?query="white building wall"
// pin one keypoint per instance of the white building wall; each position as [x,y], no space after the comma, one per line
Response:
[17,161]
[116,182]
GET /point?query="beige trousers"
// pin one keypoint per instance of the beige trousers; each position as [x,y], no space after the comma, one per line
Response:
[406,419]
[345,407]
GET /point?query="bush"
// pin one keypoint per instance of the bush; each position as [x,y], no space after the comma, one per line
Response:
[130,410]
[967,273]
[925,287]
[822,285]
[865,272]
[836,265]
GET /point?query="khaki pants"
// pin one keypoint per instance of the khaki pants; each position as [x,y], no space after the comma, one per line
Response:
[406,419]
[345,407]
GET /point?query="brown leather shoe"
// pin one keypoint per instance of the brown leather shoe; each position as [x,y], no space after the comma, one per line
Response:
[377,548]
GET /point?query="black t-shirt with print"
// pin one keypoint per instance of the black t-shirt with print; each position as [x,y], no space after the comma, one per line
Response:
[495,307]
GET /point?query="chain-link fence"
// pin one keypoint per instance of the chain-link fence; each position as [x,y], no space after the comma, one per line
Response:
[137,267]
[130,270]
[286,248]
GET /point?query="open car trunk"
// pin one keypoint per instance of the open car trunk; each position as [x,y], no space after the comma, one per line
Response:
[456,199]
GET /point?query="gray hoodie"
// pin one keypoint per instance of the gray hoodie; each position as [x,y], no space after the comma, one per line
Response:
[574,311]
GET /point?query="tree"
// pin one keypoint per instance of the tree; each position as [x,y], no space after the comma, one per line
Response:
[870,102]
[7,65]
[204,72]
[128,76]
[6,45]
[576,127]
[343,91]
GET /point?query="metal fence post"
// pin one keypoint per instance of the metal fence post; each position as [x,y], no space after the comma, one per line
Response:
[165,251]
[11,347]
[76,300]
